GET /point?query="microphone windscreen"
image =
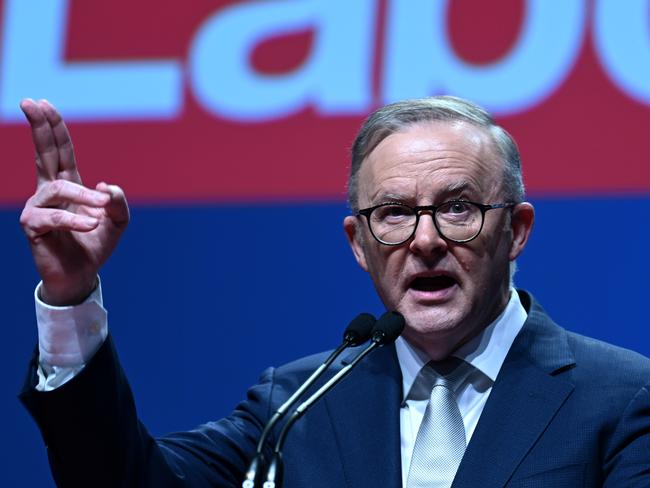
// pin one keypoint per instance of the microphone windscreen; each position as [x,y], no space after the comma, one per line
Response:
[388,327]
[359,329]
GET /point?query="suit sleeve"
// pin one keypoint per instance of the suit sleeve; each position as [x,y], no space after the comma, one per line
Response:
[94,438]
[628,458]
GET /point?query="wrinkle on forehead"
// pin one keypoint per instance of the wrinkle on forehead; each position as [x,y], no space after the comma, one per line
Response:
[435,157]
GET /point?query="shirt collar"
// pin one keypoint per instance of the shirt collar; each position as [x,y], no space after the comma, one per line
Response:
[486,352]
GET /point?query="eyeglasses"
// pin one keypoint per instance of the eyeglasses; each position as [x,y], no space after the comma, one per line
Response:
[456,220]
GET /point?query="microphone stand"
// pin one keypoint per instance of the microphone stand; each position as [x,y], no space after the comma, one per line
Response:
[357,331]
[387,329]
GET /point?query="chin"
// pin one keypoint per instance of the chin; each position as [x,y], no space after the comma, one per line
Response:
[429,324]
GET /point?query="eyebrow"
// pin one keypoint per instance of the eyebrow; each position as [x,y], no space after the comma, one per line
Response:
[390,197]
[457,187]
[453,188]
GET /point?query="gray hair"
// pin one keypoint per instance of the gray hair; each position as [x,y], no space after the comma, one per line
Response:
[396,116]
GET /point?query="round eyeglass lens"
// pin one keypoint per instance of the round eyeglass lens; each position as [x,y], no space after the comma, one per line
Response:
[393,223]
[459,221]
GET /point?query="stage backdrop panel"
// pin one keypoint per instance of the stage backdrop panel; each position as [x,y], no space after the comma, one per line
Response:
[229,123]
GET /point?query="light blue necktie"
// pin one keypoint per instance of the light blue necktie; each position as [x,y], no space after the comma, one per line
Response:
[440,443]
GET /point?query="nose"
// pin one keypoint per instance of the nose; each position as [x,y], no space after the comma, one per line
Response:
[427,240]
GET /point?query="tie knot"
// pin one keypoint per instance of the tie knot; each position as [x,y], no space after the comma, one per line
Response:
[449,373]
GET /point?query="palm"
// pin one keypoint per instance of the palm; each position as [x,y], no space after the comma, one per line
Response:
[68,253]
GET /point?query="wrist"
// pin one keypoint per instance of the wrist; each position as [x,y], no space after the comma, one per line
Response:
[63,295]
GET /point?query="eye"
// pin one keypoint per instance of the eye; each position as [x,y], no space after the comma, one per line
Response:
[456,211]
[397,210]
[457,207]
[392,213]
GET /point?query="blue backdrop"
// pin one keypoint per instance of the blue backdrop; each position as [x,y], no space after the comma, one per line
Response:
[202,298]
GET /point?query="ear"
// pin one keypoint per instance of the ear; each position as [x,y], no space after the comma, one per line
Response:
[355,239]
[523,216]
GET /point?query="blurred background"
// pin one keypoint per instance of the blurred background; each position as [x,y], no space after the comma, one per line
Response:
[228,124]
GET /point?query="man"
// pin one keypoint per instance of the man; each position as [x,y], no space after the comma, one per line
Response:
[482,390]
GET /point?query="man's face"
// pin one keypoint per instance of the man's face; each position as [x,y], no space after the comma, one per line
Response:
[447,291]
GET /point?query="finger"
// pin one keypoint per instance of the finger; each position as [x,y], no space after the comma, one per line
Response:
[118,208]
[62,192]
[63,141]
[39,221]
[47,153]
[97,212]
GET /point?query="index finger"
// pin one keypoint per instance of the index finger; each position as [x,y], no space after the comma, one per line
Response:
[62,140]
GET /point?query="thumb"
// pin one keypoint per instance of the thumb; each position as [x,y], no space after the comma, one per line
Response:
[117,209]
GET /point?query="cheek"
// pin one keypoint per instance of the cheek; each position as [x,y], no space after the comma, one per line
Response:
[465,264]
[483,254]
[386,264]
[478,265]
[468,256]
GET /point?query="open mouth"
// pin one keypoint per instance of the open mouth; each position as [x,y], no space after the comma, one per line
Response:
[432,283]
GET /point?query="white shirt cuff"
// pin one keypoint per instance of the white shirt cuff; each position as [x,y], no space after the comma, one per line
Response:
[69,336]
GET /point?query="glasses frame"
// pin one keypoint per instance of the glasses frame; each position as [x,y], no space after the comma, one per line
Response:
[366,212]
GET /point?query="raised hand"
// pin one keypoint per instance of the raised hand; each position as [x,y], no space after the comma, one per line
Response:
[72,229]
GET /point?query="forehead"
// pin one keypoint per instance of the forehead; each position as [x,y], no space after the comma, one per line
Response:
[432,160]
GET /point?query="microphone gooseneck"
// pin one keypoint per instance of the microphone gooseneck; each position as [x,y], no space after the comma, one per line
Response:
[357,332]
[386,330]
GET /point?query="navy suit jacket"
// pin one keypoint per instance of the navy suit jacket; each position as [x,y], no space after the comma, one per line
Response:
[565,411]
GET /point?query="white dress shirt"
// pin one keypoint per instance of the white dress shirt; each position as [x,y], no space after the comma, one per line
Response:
[486,353]
[69,336]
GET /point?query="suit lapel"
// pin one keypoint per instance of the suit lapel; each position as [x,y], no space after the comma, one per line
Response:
[364,411]
[527,393]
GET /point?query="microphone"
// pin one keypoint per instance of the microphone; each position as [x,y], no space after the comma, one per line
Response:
[357,332]
[386,330]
